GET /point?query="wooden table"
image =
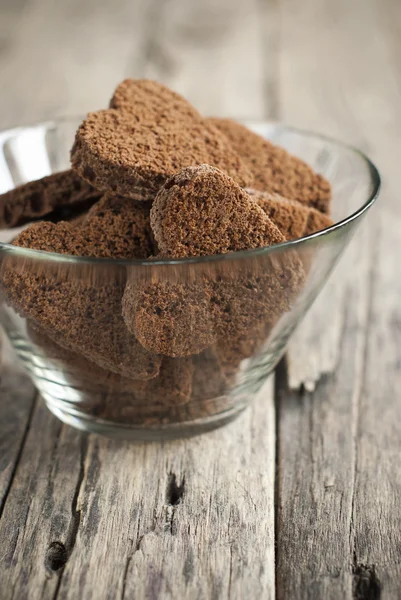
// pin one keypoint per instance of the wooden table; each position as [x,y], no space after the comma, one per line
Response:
[300,497]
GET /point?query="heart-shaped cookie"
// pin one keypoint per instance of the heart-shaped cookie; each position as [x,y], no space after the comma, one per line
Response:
[274,169]
[38,198]
[294,219]
[114,227]
[201,211]
[108,391]
[81,307]
[148,134]
[117,227]
[173,319]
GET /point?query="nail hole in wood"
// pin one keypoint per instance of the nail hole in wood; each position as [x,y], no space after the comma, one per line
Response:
[56,556]
[366,585]
[174,491]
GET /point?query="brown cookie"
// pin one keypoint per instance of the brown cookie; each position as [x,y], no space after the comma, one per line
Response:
[231,352]
[80,307]
[209,379]
[169,318]
[38,198]
[77,220]
[243,301]
[294,219]
[317,221]
[107,394]
[172,386]
[76,370]
[274,169]
[208,387]
[199,211]
[118,227]
[147,135]
[202,211]
[113,228]
[155,402]
[80,313]
[61,238]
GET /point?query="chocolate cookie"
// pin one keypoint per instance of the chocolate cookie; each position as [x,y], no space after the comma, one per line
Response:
[107,394]
[78,306]
[76,370]
[202,211]
[155,402]
[173,319]
[209,379]
[113,228]
[38,198]
[294,219]
[148,134]
[78,314]
[118,227]
[274,169]
[241,346]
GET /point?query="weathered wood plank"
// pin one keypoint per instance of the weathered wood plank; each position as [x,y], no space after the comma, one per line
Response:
[178,520]
[85,49]
[185,519]
[214,54]
[339,479]
[137,521]
[17,395]
[40,519]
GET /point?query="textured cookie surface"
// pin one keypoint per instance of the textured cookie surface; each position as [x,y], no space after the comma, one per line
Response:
[77,370]
[170,318]
[147,135]
[294,219]
[171,387]
[38,198]
[201,211]
[114,228]
[274,169]
[79,315]
[118,227]
[77,311]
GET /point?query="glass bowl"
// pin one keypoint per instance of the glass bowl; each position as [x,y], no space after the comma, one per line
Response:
[223,321]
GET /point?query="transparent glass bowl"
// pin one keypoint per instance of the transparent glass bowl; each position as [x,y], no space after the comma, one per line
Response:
[224,320]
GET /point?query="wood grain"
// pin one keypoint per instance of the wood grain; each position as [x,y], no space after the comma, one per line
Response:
[213,53]
[17,395]
[41,509]
[91,518]
[187,525]
[84,517]
[338,479]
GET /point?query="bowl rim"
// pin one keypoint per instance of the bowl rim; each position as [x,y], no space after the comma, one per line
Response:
[242,254]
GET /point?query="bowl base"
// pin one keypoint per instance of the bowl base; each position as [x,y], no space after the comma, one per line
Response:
[118,430]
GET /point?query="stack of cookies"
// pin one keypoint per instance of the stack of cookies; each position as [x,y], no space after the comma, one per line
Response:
[153,180]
